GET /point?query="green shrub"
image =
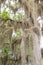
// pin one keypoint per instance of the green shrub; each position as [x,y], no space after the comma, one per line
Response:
[4,14]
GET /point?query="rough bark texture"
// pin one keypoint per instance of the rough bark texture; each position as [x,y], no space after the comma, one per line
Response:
[33,8]
[30,50]
[23,53]
[36,51]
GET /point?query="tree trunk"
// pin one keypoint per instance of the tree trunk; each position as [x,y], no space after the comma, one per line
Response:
[23,54]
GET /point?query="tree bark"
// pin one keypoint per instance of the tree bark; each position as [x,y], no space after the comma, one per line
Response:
[23,54]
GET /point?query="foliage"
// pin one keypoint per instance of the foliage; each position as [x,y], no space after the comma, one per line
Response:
[5,50]
[7,24]
[4,14]
[18,17]
[18,32]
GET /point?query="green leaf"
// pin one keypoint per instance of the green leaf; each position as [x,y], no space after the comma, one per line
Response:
[5,14]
